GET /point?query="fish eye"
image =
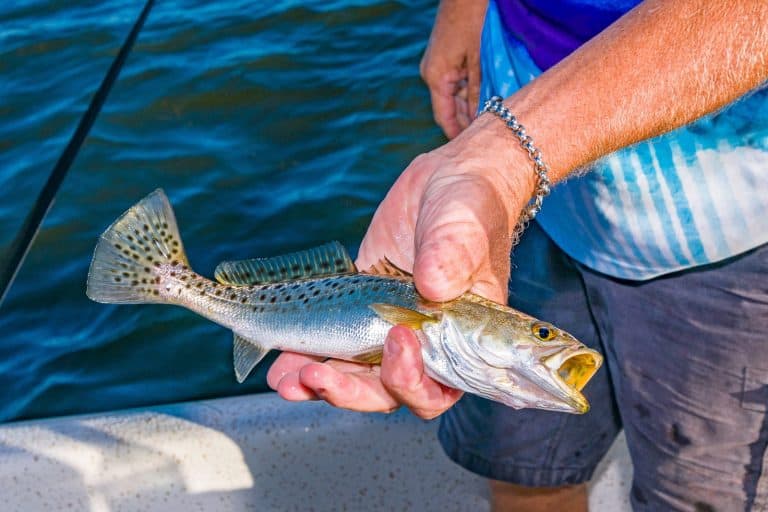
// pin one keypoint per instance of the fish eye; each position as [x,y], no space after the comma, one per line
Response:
[543,331]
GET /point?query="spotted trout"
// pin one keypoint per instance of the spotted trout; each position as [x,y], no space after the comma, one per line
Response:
[316,302]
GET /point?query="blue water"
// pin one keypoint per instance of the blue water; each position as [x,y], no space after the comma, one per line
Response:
[272,126]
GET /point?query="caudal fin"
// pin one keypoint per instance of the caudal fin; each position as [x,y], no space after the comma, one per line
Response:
[132,250]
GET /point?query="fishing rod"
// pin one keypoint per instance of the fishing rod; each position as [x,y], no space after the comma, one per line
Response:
[17,252]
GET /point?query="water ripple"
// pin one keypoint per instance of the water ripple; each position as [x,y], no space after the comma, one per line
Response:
[272,126]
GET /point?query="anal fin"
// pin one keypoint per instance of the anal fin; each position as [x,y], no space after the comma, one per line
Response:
[245,356]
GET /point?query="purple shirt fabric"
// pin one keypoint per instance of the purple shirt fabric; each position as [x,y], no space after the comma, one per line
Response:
[552,29]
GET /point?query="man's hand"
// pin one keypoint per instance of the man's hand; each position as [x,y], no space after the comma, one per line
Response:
[451,63]
[367,388]
[449,218]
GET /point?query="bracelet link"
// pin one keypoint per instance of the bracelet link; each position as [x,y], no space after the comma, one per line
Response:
[496,106]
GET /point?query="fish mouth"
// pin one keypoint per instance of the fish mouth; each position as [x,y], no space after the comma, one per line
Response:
[572,369]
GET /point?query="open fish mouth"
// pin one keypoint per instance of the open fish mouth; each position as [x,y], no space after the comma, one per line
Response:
[573,369]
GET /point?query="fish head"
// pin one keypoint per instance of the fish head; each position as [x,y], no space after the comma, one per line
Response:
[512,358]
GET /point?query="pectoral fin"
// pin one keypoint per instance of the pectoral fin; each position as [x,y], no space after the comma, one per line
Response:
[397,315]
[246,355]
[370,357]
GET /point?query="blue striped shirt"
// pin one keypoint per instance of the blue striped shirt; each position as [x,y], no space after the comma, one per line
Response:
[696,195]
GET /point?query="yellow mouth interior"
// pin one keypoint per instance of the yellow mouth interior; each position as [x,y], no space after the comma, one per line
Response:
[578,369]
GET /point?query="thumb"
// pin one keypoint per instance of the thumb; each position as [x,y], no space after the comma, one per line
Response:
[449,253]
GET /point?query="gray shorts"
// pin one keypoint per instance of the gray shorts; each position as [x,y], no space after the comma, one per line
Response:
[686,376]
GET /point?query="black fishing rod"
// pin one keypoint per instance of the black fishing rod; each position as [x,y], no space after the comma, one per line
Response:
[14,258]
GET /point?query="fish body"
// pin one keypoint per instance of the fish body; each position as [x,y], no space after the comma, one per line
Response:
[316,302]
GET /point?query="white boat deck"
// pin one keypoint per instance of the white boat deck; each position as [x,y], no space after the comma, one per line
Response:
[249,453]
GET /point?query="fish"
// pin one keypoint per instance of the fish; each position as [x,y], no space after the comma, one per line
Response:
[317,302]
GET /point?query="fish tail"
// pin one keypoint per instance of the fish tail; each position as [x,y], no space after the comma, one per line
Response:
[134,254]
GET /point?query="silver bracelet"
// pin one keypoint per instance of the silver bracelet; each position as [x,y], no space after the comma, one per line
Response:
[495,106]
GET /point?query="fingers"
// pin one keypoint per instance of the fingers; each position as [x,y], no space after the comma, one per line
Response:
[402,373]
[359,390]
[366,388]
[474,75]
[290,388]
[463,115]
[444,112]
[286,363]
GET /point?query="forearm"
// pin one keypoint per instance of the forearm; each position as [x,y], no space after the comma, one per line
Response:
[664,64]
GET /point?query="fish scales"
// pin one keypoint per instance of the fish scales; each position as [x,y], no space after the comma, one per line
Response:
[316,302]
[308,315]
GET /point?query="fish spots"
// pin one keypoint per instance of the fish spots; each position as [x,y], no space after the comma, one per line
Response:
[701,506]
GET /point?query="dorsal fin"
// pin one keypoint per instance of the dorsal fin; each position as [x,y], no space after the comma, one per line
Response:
[384,267]
[326,260]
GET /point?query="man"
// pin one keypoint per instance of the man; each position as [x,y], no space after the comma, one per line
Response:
[657,255]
